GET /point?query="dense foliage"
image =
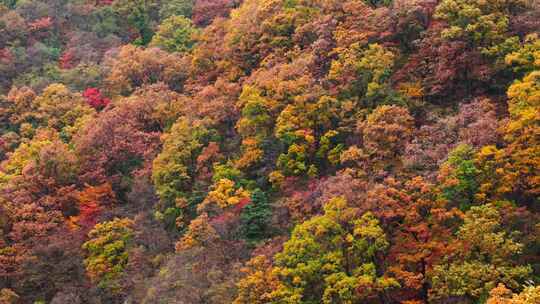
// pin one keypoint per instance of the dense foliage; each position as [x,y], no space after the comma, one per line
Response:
[270,151]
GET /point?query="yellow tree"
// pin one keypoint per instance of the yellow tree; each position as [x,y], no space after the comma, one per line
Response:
[258,282]
[503,295]
[107,252]
[255,125]
[59,108]
[514,170]
[362,71]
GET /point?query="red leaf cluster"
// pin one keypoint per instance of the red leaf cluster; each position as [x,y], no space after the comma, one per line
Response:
[95,99]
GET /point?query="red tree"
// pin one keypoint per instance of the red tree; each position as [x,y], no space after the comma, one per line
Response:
[95,99]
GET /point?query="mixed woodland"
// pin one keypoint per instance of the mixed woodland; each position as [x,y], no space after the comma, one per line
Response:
[269,151]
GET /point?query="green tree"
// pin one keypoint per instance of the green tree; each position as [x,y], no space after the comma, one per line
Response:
[137,13]
[9,3]
[483,24]
[378,3]
[176,8]
[175,34]
[332,258]
[255,218]
[458,177]
[527,58]
[174,169]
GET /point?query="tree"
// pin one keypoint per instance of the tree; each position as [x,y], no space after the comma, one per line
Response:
[8,296]
[520,132]
[95,99]
[205,11]
[486,25]
[447,69]
[502,295]
[258,282]
[458,178]
[526,59]
[385,133]
[56,265]
[362,71]
[57,107]
[476,125]
[512,172]
[359,151]
[44,155]
[224,193]
[19,106]
[296,160]
[419,228]
[36,187]
[203,269]
[134,67]
[200,234]
[123,139]
[174,170]
[310,124]
[255,218]
[175,34]
[176,8]
[137,14]
[107,252]
[485,258]
[254,125]
[91,202]
[470,44]
[332,258]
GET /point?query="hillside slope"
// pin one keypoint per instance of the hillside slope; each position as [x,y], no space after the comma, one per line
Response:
[270,151]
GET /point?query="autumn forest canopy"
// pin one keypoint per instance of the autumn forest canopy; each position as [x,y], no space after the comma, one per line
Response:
[269,151]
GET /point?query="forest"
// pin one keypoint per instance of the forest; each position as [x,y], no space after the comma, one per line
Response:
[269,151]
